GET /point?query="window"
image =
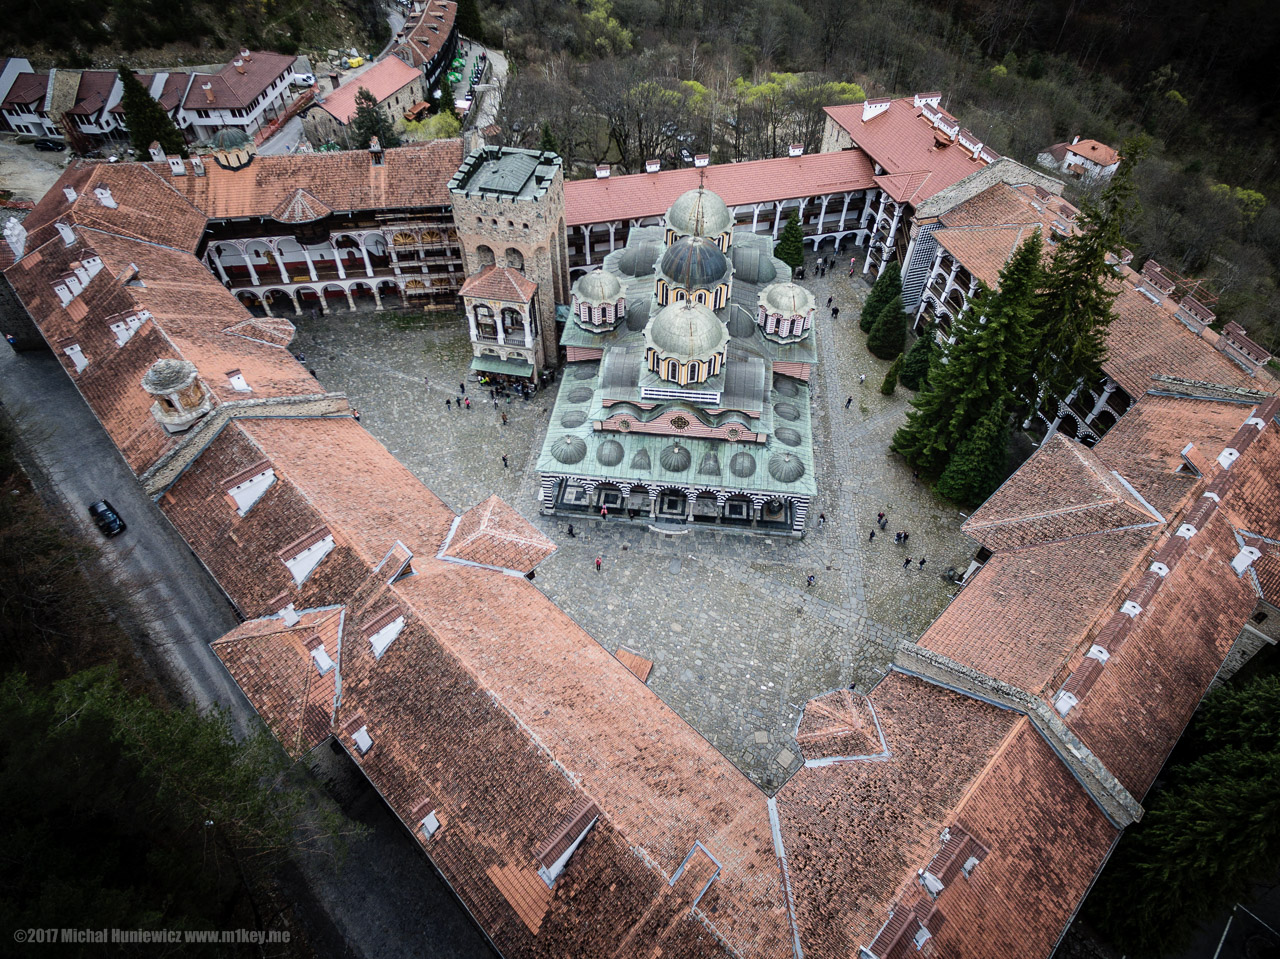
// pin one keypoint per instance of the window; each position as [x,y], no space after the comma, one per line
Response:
[735,509]
[430,825]
[1259,617]
[921,937]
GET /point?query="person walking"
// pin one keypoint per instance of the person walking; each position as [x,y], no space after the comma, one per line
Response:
[468,401]
[504,460]
[572,534]
[922,562]
[355,414]
[504,418]
[872,538]
[906,562]
[599,564]
[848,402]
[879,517]
[835,313]
[884,524]
[905,536]
[897,537]
[604,512]
[448,405]
[811,581]
[862,378]
[462,387]
[822,520]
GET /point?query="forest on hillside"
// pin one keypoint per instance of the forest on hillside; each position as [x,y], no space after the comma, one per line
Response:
[621,81]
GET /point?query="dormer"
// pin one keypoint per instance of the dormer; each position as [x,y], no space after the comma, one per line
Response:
[246,487]
[68,235]
[70,194]
[15,234]
[383,630]
[176,166]
[554,855]
[156,151]
[323,662]
[428,820]
[873,108]
[1244,559]
[303,555]
[105,198]
[238,382]
[180,397]
[197,165]
[73,352]
[127,325]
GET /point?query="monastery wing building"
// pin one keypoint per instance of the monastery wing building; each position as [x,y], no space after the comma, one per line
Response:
[686,394]
[961,807]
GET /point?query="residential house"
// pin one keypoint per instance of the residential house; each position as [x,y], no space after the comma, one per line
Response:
[245,94]
[395,86]
[1082,159]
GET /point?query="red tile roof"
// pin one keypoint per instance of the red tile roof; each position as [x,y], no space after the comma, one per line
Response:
[429,33]
[384,79]
[839,724]
[409,177]
[493,534]
[27,88]
[635,662]
[902,141]
[95,87]
[1099,153]
[499,283]
[237,87]
[738,184]
[1064,490]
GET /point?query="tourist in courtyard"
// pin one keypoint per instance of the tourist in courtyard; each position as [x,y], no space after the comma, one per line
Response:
[872,538]
[504,460]
[599,564]
[922,562]
[811,580]
[848,402]
[906,562]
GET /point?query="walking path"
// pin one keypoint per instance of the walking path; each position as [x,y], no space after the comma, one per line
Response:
[738,640]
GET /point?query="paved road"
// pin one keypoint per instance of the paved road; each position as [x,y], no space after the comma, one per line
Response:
[386,901]
[284,140]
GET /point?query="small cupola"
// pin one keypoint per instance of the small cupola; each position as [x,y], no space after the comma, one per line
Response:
[180,397]
[598,302]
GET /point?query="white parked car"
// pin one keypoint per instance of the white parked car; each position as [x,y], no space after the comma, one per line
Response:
[304,79]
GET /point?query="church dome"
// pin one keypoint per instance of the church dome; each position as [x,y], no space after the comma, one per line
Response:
[785,468]
[694,263]
[787,299]
[598,287]
[609,453]
[699,213]
[686,331]
[675,458]
[569,449]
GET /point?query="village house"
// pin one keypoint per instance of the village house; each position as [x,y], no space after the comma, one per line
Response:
[245,94]
[26,105]
[429,39]
[395,86]
[1081,159]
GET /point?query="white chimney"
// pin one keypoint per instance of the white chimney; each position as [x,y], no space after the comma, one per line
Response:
[197,166]
[69,193]
[104,196]
[290,615]
[239,65]
[701,159]
[15,235]
[157,154]
[1245,558]
[652,166]
[795,150]
[176,167]
[1075,140]
[68,235]
[602,171]
[208,91]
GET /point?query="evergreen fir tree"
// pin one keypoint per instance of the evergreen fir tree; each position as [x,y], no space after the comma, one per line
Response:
[889,335]
[147,121]
[448,101]
[370,122]
[1208,835]
[1079,288]
[883,290]
[915,367]
[468,19]
[548,142]
[978,465]
[790,246]
[980,369]
[891,377]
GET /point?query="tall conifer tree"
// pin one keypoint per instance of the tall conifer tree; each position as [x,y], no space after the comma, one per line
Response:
[790,246]
[889,334]
[915,367]
[1079,288]
[990,356]
[146,119]
[886,287]
[978,465]
[370,122]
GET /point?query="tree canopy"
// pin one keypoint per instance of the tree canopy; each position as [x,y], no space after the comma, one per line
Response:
[790,246]
[887,285]
[371,121]
[889,333]
[147,120]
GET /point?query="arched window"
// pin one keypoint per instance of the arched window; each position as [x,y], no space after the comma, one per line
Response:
[605,312]
[485,325]
[700,297]
[681,295]
[485,255]
[515,259]
[511,320]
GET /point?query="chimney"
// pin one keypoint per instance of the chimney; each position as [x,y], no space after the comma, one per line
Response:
[239,65]
[105,198]
[68,235]
[652,166]
[701,159]
[602,171]
[15,235]
[157,154]
[176,167]
[795,150]
[1075,140]
[245,55]
[208,91]
[290,615]
[197,165]
[69,193]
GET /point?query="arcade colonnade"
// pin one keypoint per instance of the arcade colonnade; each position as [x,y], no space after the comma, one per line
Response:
[834,217]
[689,504]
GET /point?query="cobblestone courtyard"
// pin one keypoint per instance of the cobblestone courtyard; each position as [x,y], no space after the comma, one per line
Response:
[738,641]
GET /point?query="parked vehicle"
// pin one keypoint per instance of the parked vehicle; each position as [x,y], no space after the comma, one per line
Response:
[304,79]
[49,146]
[106,518]
[686,155]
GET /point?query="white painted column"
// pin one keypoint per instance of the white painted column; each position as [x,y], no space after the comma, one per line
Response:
[217,265]
[284,276]
[253,274]
[311,266]
[612,245]
[337,261]
[471,326]
[368,266]
[844,211]
[586,235]
[777,217]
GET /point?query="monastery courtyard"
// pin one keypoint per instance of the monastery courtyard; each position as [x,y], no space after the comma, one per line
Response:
[738,640]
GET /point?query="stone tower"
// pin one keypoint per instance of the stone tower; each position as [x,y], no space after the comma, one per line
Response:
[508,208]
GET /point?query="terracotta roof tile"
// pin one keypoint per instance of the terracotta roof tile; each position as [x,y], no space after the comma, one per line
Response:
[428,33]
[95,87]
[299,207]
[901,140]
[635,662]
[237,87]
[738,184]
[839,724]
[1063,490]
[1099,153]
[27,88]
[383,79]
[499,283]
[410,177]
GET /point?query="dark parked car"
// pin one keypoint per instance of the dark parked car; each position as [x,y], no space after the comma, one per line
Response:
[108,520]
[49,146]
